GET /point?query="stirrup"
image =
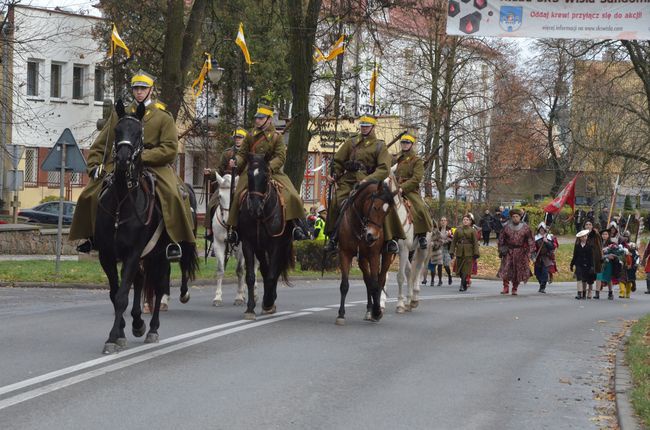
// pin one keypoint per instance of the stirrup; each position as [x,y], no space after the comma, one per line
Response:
[233,237]
[173,252]
[331,245]
[392,247]
[298,234]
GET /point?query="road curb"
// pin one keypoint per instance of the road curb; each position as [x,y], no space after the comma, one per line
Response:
[622,387]
[175,284]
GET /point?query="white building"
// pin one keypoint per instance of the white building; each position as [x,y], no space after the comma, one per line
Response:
[56,80]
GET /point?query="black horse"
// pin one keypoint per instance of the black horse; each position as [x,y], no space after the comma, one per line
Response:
[130,229]
[264,233]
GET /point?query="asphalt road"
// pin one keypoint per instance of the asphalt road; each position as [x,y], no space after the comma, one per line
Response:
[472,360]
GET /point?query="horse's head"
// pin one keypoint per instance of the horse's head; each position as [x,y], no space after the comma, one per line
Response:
[258,183]
[373,202]
[391,184]
[128,144]
[224,189]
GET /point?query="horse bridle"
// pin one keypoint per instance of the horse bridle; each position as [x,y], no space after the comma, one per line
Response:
[364,218]
[136,150]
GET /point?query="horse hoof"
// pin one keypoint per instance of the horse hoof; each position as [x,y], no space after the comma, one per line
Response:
[340,321]
[110,348]
[250,316]
[415,304]
[239,302]
[139,332]
[217,302]
[121,342]
[186,298]
[377,318]
[367,317]
[400,309]
[151,338]
[146,309]
[269,311]
[164,307]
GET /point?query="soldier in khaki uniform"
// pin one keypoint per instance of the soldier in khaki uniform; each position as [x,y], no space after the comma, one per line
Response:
[223,168]
[409,171]
[361,158]
[160,150]
[265,140]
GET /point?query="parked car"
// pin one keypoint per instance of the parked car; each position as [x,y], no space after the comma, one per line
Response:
[48,213]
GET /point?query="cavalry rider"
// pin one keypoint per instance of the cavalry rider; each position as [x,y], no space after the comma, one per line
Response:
[223,168]
[360,159]
[160,141]
[408,173]
[267,141]
[319,224]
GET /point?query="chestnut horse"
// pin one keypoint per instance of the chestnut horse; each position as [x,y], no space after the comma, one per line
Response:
[361,233]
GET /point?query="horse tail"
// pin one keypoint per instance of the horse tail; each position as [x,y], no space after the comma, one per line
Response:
[189,259]
[287,262]
[193,205]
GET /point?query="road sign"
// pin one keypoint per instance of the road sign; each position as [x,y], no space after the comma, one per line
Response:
[16,154]
[15,180]
[74,159]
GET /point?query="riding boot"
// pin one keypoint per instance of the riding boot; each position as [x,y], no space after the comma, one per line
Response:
[392,247]
[173,252]
[422,241]
[208,235]
[300,229]
[86,246]
[332,244]
[233,237]
[463,284]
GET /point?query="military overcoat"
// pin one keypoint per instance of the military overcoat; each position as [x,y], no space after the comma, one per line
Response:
[409,172]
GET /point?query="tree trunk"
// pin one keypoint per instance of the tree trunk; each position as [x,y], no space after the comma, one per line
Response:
[302,35]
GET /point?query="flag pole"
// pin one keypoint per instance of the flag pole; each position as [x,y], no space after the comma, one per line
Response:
[374,94]
[613,202]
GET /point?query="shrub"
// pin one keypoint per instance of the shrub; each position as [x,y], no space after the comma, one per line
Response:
[49,199]
[309,253]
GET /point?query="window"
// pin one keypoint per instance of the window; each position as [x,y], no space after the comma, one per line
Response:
[31,167]
[78,76]
[198,164]
[32,78]
[55,80]
[53,179]
[75,179]
[99,84]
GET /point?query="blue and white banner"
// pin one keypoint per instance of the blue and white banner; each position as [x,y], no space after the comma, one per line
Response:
[562,19]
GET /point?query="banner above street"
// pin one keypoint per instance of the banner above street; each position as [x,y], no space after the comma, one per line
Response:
[561,19]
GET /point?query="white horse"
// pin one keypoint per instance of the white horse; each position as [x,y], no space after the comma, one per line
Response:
[409,271]
[220,232]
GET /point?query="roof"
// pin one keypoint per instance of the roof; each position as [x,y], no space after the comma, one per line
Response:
[58,11]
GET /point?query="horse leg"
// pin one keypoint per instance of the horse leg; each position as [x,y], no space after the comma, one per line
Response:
[249,257]
[109,264]
[375,292]
[116,338]
[365,270]
[188,265]
[401,275]
[220,254]
[416,270]
[386,261]
[345,261]
[239,270]
[160,283]
[138,327]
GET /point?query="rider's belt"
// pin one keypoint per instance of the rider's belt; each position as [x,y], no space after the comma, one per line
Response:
[354,166]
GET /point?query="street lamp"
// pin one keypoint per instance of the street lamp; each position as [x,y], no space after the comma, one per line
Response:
[214,76]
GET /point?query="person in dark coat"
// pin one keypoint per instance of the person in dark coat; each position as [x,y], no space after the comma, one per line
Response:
[486,223]
[579,219]
[583,261]
[464,246]
[543,259]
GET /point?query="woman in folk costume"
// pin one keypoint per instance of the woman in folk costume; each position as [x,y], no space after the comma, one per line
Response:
[646,267]
[516,245]
[605,275]
[265,140]
[464,246]
[445,237]
[544,250]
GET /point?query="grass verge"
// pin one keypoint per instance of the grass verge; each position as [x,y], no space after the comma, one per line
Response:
[638,358]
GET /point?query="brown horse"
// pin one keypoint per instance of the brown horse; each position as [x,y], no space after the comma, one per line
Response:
[361,233]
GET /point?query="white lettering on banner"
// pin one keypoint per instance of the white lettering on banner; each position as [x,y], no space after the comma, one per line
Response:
[563,19]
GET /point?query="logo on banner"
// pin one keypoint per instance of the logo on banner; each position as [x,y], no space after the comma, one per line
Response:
[510,18]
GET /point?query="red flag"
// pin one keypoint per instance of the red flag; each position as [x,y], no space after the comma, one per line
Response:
[566,197]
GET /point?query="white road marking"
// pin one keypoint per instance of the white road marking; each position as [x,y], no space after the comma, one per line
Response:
[108,358]
[316,309]
[28,395]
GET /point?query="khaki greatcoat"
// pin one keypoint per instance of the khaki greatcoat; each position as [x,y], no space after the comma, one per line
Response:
[464,246]
[270,143]
[409,173]
[160,150]
[375,157]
